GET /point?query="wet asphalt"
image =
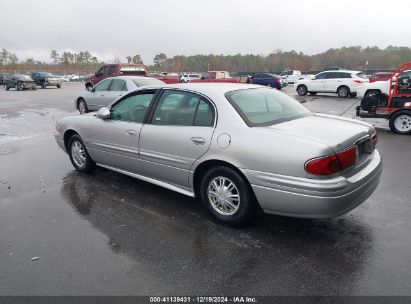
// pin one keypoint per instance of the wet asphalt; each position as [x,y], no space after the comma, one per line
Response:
[109,234]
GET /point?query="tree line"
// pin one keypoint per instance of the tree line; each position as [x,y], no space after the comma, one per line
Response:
[354,57]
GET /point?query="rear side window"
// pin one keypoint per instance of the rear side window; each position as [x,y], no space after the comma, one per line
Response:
[361,75]
[183,109]
[117,85]
[112,70]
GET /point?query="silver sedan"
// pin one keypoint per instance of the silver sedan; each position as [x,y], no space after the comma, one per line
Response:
[110,89]
[237,147]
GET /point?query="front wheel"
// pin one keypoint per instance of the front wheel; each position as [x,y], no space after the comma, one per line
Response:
[343,92]
[228,196]
[82,106]
[79,156]
[302,90]
[400,122]
[58,86]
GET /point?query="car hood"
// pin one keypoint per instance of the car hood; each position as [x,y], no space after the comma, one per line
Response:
[333,131]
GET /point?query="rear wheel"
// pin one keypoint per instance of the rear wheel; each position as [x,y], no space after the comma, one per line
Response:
[19,86]
[43,86]
[343,91]
[228,196]
[6,87]
[82,106]
[302,90]
[79,156]
[58,86]
[400,122]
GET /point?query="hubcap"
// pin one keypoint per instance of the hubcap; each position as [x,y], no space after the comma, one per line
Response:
[403,123]
[78,153]
[223,195]
[343,92]
[82,107]
[301,90]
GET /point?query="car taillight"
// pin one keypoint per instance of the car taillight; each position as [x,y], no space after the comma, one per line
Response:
[374,138]
[358,81]
[332,164]
[277,80]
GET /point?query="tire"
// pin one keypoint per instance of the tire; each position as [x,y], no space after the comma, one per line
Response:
[59,86]
[302,90]
[240,211]
[7,87]
[79,156]
[43,85]
[82,106]
[19,86]
[400,122]
[313,93]
[343,91]
[34,88]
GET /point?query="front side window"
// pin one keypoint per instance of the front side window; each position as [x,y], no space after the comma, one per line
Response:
[264,107]
[102,85]
[183,109]
[117,85]
[321,76]
[132,108]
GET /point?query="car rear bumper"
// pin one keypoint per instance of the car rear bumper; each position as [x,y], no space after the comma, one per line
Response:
[310,198]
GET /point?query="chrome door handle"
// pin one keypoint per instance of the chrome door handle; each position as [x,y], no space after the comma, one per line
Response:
[198,140]
[132,132]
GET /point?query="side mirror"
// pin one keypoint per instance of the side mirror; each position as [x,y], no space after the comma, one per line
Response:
[313,78]
[103,113]
[90,88]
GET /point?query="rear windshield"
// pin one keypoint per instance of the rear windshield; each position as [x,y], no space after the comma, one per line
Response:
[132,70]
[148,81]
[265,107]
[362,75]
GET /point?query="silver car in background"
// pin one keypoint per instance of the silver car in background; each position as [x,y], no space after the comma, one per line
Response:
[110,89]
[237,147]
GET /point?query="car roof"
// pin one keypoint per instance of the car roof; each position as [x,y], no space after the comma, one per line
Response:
[211,87]
[131,77]
[342,71]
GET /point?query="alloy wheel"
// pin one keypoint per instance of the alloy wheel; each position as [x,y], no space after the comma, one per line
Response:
[78,153]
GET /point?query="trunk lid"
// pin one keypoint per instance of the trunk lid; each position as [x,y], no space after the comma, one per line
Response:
[335,132]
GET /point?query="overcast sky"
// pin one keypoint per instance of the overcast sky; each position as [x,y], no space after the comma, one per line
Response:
[119,28]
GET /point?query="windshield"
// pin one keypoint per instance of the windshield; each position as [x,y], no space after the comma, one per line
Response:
[46,74]
[265,107]
[24,77]
[148,81]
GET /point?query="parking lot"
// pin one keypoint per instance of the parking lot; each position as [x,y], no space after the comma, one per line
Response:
[109,234]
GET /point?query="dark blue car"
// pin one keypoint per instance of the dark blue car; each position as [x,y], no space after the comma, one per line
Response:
[270,80]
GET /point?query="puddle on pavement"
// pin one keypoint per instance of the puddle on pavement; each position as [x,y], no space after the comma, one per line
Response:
[29,123]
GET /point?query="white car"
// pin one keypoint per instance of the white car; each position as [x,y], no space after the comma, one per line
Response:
[371,88]
[188,77]
[343,83]
[291,76]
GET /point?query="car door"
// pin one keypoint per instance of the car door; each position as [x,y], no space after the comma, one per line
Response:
[333,81]
[98,97]
[179,132]
[114,141]
[318,83]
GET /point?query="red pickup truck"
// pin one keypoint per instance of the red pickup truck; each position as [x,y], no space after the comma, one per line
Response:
[218,76]
[112,70]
